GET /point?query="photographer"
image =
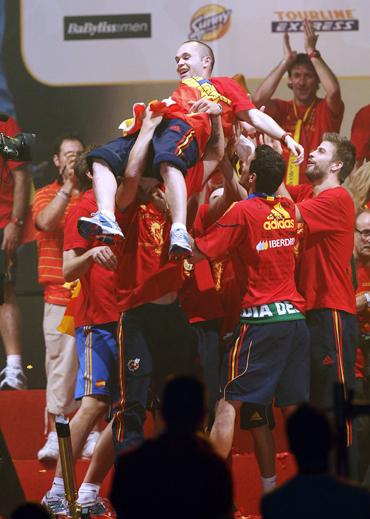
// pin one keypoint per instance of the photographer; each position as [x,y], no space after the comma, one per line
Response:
[51,204]
[14,197]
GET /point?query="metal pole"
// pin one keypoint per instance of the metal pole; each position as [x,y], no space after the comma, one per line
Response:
[66,459]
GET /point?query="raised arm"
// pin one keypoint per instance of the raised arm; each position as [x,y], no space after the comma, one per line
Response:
[49,217]
[264,92]
[327,77]
[266,124]
[127,190]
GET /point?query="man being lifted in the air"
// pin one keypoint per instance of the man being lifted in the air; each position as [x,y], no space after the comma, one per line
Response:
[178,142]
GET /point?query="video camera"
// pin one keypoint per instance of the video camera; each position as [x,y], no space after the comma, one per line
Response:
[16,148]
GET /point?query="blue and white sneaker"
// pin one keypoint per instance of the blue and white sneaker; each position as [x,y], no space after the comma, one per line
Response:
[101,226]
[57,505]
[98,507]
[180,246]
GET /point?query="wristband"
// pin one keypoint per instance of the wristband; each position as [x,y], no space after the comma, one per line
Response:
[314,54]
[64,195]
[284,136]
[18,221]
[367,297]
[220,107]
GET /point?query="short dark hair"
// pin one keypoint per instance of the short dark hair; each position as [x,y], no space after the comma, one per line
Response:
[66,137]
[310,438]
[302,59]
[207,49]
[269,167]
[82,167]
[183,404]
[345,152]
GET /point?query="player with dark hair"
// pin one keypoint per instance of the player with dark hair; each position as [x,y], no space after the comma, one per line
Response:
[324,274]
[306,116]
[268,354]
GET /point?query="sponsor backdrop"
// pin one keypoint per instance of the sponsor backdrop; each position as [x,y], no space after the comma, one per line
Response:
[117,41]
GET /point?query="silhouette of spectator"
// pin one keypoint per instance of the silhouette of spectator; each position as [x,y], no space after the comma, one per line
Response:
[30,511]
[313,492]
[177,474]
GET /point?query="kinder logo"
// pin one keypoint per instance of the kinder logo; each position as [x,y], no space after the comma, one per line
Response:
[210,23]
[106,27]
[323,20]
[279,218]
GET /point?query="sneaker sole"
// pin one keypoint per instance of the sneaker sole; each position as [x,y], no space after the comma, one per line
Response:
[87,229]
[176,253]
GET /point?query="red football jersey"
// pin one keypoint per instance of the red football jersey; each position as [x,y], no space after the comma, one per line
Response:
[96,303]
[363,285]
[259,234]
[10,128]
[324,274]
[319,121]
[360,133]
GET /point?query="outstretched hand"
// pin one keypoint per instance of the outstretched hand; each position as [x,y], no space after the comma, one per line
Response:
[295,148]
[310,37]
[288,53]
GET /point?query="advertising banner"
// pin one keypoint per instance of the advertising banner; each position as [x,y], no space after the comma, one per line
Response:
[89,42]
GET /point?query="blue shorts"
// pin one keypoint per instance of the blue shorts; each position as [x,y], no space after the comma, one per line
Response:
[267,361]
[98,361]
[173,141]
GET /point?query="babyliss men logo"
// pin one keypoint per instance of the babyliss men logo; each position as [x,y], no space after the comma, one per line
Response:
[210,23]
[105,27]
[279,218]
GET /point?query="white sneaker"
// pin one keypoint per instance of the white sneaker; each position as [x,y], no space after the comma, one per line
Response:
[57,505]
[90,443]
[50,451]
[13,378]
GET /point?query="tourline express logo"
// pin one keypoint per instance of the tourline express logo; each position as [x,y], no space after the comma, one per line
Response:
[323,20]
[210,22]
[104,27]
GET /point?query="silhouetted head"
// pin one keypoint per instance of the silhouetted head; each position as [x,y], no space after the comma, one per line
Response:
[183,405]
[310,439]
[30,511]
[269,168]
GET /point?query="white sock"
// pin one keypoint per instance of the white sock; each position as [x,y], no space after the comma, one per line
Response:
[268,484]
[88,492]
[14,361]
[109,214]
[177,225]
[57,488]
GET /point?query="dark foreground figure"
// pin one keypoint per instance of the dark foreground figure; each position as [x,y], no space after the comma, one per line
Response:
[314,493]
[177,474]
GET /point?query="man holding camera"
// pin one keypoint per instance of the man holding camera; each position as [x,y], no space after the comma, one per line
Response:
[51,204]
[14,198]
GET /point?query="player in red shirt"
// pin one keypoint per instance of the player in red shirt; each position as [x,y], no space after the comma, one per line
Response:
[179,143]
[324,275]
[306,116]
[268,354]
[360,135]
[362,257]
[14,198]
